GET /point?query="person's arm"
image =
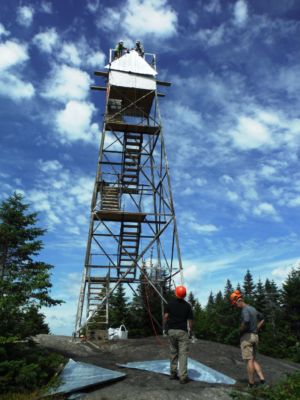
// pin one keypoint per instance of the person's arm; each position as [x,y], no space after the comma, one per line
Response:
[261,321]
[165,323]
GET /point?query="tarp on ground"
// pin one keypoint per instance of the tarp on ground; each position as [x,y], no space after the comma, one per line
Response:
[78,375]
[196,370]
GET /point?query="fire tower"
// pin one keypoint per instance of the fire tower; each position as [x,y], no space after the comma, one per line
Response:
[132,212]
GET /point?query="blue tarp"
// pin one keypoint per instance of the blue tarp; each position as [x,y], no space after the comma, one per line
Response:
[196,370]
[78,375]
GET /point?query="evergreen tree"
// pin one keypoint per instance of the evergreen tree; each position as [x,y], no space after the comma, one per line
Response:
[24,282]
[118,309]
[291,301]
[248,287]
[191,299]
[260,297]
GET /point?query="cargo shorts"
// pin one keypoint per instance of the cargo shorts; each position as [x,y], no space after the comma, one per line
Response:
[249,342]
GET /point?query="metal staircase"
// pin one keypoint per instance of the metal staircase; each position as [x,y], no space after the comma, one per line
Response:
[97,302]
[128,249]
[131,162]
[110,198]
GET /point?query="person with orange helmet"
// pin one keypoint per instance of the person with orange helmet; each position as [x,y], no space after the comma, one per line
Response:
[178,318]
[251,322]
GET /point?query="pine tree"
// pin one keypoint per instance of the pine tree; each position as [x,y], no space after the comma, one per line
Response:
[291,301]
[248,287]
[24,282]
[118,309]
[191,299]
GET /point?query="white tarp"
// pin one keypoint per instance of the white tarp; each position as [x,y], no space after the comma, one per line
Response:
[196,370]
[132,62]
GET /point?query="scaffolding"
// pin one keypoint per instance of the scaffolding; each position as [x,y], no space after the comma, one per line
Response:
[132,211]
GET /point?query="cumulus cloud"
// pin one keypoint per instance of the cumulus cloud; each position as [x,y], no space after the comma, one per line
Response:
[25,15]
[265,209]
[70,54]
[240,13]
[15,88]
[140,18]
[13,56]
[74,122]
[251,134]
[12,53]
[46,40]
[67,83]
[3,31]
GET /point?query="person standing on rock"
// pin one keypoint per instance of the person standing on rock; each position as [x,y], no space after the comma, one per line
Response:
[251,323]
[178,320]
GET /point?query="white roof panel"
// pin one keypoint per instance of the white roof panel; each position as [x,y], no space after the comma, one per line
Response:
[132,62]
[123,79]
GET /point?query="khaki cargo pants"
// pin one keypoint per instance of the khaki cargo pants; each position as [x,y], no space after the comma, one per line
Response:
[179,347]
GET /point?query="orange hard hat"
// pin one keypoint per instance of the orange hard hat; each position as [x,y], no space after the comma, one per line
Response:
[180,292]
[234,297]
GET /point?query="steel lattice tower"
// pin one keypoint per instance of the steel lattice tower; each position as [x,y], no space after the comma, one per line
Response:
[132,211]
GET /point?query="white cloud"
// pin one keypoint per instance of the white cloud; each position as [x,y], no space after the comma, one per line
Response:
[140,18]
[47,40]
[212,6]
[67,83]
[265,209]
[74,122]
[92,5]
[96,59]
[12,53]
[211,37]
[240,13]
[25,15]
[3,31]
[204,229]
[46,7]
[51,165]
[251,134]
[14,88]
[70,54]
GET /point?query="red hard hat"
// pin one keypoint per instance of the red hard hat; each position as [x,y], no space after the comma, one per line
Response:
[234,297]
[180,292]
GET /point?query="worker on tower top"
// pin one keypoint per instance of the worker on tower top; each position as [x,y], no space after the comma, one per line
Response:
[120,49]
[251,323]
[139,48]
[178,319]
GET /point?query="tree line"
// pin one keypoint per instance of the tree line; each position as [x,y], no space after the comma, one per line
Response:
[218,320]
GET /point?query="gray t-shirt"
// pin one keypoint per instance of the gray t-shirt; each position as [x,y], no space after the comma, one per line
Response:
[250,317]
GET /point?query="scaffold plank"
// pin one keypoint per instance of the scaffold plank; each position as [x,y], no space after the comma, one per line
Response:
[122,127]
[110,215]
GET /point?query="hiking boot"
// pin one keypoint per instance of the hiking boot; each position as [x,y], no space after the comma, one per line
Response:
[184,381]
[174,377]
[251,385]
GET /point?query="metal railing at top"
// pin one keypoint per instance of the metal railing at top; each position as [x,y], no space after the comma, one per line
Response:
[150,58]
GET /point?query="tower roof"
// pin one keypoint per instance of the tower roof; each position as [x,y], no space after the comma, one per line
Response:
[132,62]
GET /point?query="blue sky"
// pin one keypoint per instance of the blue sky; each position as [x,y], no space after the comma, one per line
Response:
[231,123]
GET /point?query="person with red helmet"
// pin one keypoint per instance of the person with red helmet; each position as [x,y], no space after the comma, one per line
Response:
[251,322]
[178,320]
